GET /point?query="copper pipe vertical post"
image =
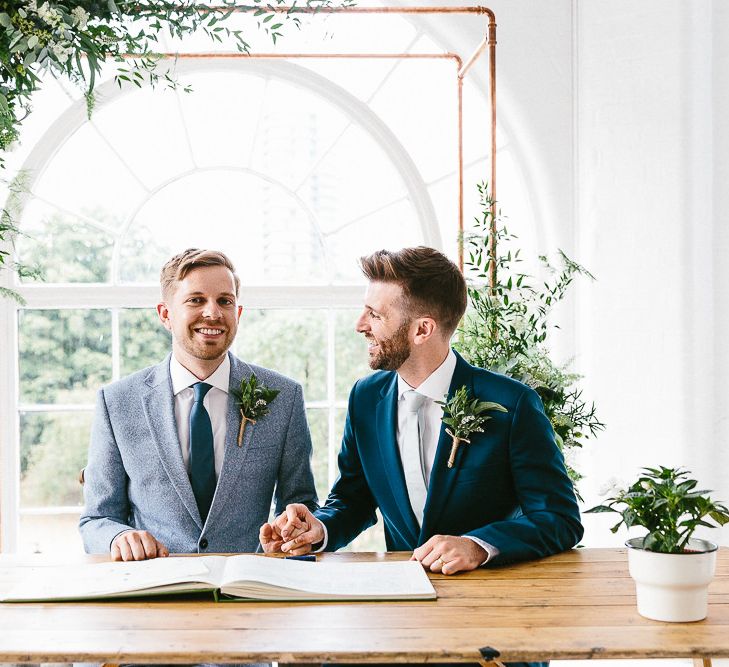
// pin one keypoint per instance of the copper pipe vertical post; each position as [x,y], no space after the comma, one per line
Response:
[492,98]
[461,229]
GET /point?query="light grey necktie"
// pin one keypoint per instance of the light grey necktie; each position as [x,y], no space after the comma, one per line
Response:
[412,454]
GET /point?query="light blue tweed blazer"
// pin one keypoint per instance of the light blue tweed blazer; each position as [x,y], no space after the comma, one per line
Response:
[135,477]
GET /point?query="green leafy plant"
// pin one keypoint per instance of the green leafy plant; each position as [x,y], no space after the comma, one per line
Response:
[465,415]
[253,399]
[665,502]
[506,326]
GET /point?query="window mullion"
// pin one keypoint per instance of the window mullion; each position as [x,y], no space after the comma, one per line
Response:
[9,429]
[331,400]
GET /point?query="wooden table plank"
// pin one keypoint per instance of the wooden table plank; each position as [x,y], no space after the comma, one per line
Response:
[576,605]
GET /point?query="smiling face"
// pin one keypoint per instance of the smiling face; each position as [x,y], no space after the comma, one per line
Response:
[201,312]
[386,326]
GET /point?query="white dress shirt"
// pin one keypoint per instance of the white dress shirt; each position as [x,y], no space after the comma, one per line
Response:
[215,402]
[434,388]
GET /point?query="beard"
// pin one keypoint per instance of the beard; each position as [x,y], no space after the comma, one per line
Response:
[394,351]
[206,350]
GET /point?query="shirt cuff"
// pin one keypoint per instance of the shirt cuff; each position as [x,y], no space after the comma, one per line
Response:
[490,549]
[323,544]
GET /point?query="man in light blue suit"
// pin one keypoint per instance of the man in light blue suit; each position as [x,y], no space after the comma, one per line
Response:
[166,470]
[507,496]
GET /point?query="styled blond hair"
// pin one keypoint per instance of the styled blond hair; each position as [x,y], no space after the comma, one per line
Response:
[180,265]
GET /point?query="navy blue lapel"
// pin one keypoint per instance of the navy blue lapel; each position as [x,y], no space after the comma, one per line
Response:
[386,429]
[443,478]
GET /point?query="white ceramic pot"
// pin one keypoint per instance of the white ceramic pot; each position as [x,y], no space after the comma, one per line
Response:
[672,587]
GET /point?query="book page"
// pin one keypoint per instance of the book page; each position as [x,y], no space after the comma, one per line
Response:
[107,579]
[276,578]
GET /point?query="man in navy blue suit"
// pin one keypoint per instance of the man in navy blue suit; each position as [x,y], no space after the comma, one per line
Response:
[507,496]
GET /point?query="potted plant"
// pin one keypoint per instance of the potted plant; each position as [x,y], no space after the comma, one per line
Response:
[671,569]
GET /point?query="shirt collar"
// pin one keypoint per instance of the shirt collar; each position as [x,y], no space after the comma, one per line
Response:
[183,378]
[436,385]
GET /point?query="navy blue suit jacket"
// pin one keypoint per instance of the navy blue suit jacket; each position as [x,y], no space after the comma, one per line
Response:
[508,487]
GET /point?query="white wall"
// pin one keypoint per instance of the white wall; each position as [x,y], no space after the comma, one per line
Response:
[618,109]
[647,160]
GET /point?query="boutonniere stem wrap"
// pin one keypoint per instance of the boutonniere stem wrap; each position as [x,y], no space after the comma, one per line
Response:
[254,399]
[464,415]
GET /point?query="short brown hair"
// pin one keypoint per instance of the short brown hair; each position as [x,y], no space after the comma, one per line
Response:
[180,265]
[431,283]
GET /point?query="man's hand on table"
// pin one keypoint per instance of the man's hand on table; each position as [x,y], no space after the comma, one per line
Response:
[448,554]
[294,531]
[137,545]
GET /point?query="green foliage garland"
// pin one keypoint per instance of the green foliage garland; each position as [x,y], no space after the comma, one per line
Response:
[73,38]
[507,324]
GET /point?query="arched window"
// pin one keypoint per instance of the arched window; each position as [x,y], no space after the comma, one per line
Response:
[293,168]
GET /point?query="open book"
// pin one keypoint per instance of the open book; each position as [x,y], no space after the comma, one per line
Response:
[243,577]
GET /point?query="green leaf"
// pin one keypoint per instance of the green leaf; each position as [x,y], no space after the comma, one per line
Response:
[599,509]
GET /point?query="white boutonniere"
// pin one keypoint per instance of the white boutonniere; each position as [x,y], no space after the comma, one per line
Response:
[254,399]
[464,416]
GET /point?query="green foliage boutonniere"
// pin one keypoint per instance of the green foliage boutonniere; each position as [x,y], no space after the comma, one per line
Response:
[465,416]
[254,399]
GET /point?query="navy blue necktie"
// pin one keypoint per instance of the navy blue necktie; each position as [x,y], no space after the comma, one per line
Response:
[202,458]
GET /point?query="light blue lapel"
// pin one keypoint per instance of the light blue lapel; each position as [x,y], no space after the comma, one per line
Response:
[159,409]
[229,487]
[386,425]
[443,478]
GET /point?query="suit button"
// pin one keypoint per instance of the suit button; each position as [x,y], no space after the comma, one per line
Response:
[203,543]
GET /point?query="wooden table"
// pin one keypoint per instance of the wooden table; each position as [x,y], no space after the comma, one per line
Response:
[576,605]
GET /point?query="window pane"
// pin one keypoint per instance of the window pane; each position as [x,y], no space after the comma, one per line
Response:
[350,353]
[155,150]
[318,418]
[65,355]
[68,182]
[65,248]
[269,234]
[144,341]
[292,342]
[53,449]
[373,539]
[49,534]
[393,227]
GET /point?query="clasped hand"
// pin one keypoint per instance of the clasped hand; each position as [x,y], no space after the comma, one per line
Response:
[294,531]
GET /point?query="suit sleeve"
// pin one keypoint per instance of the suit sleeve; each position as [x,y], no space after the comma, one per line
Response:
[106,511]
[548,518]
[350,506]
[295,483]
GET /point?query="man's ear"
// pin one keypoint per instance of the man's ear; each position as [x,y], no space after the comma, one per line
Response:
[240,312]
[427,328]
[164,315]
